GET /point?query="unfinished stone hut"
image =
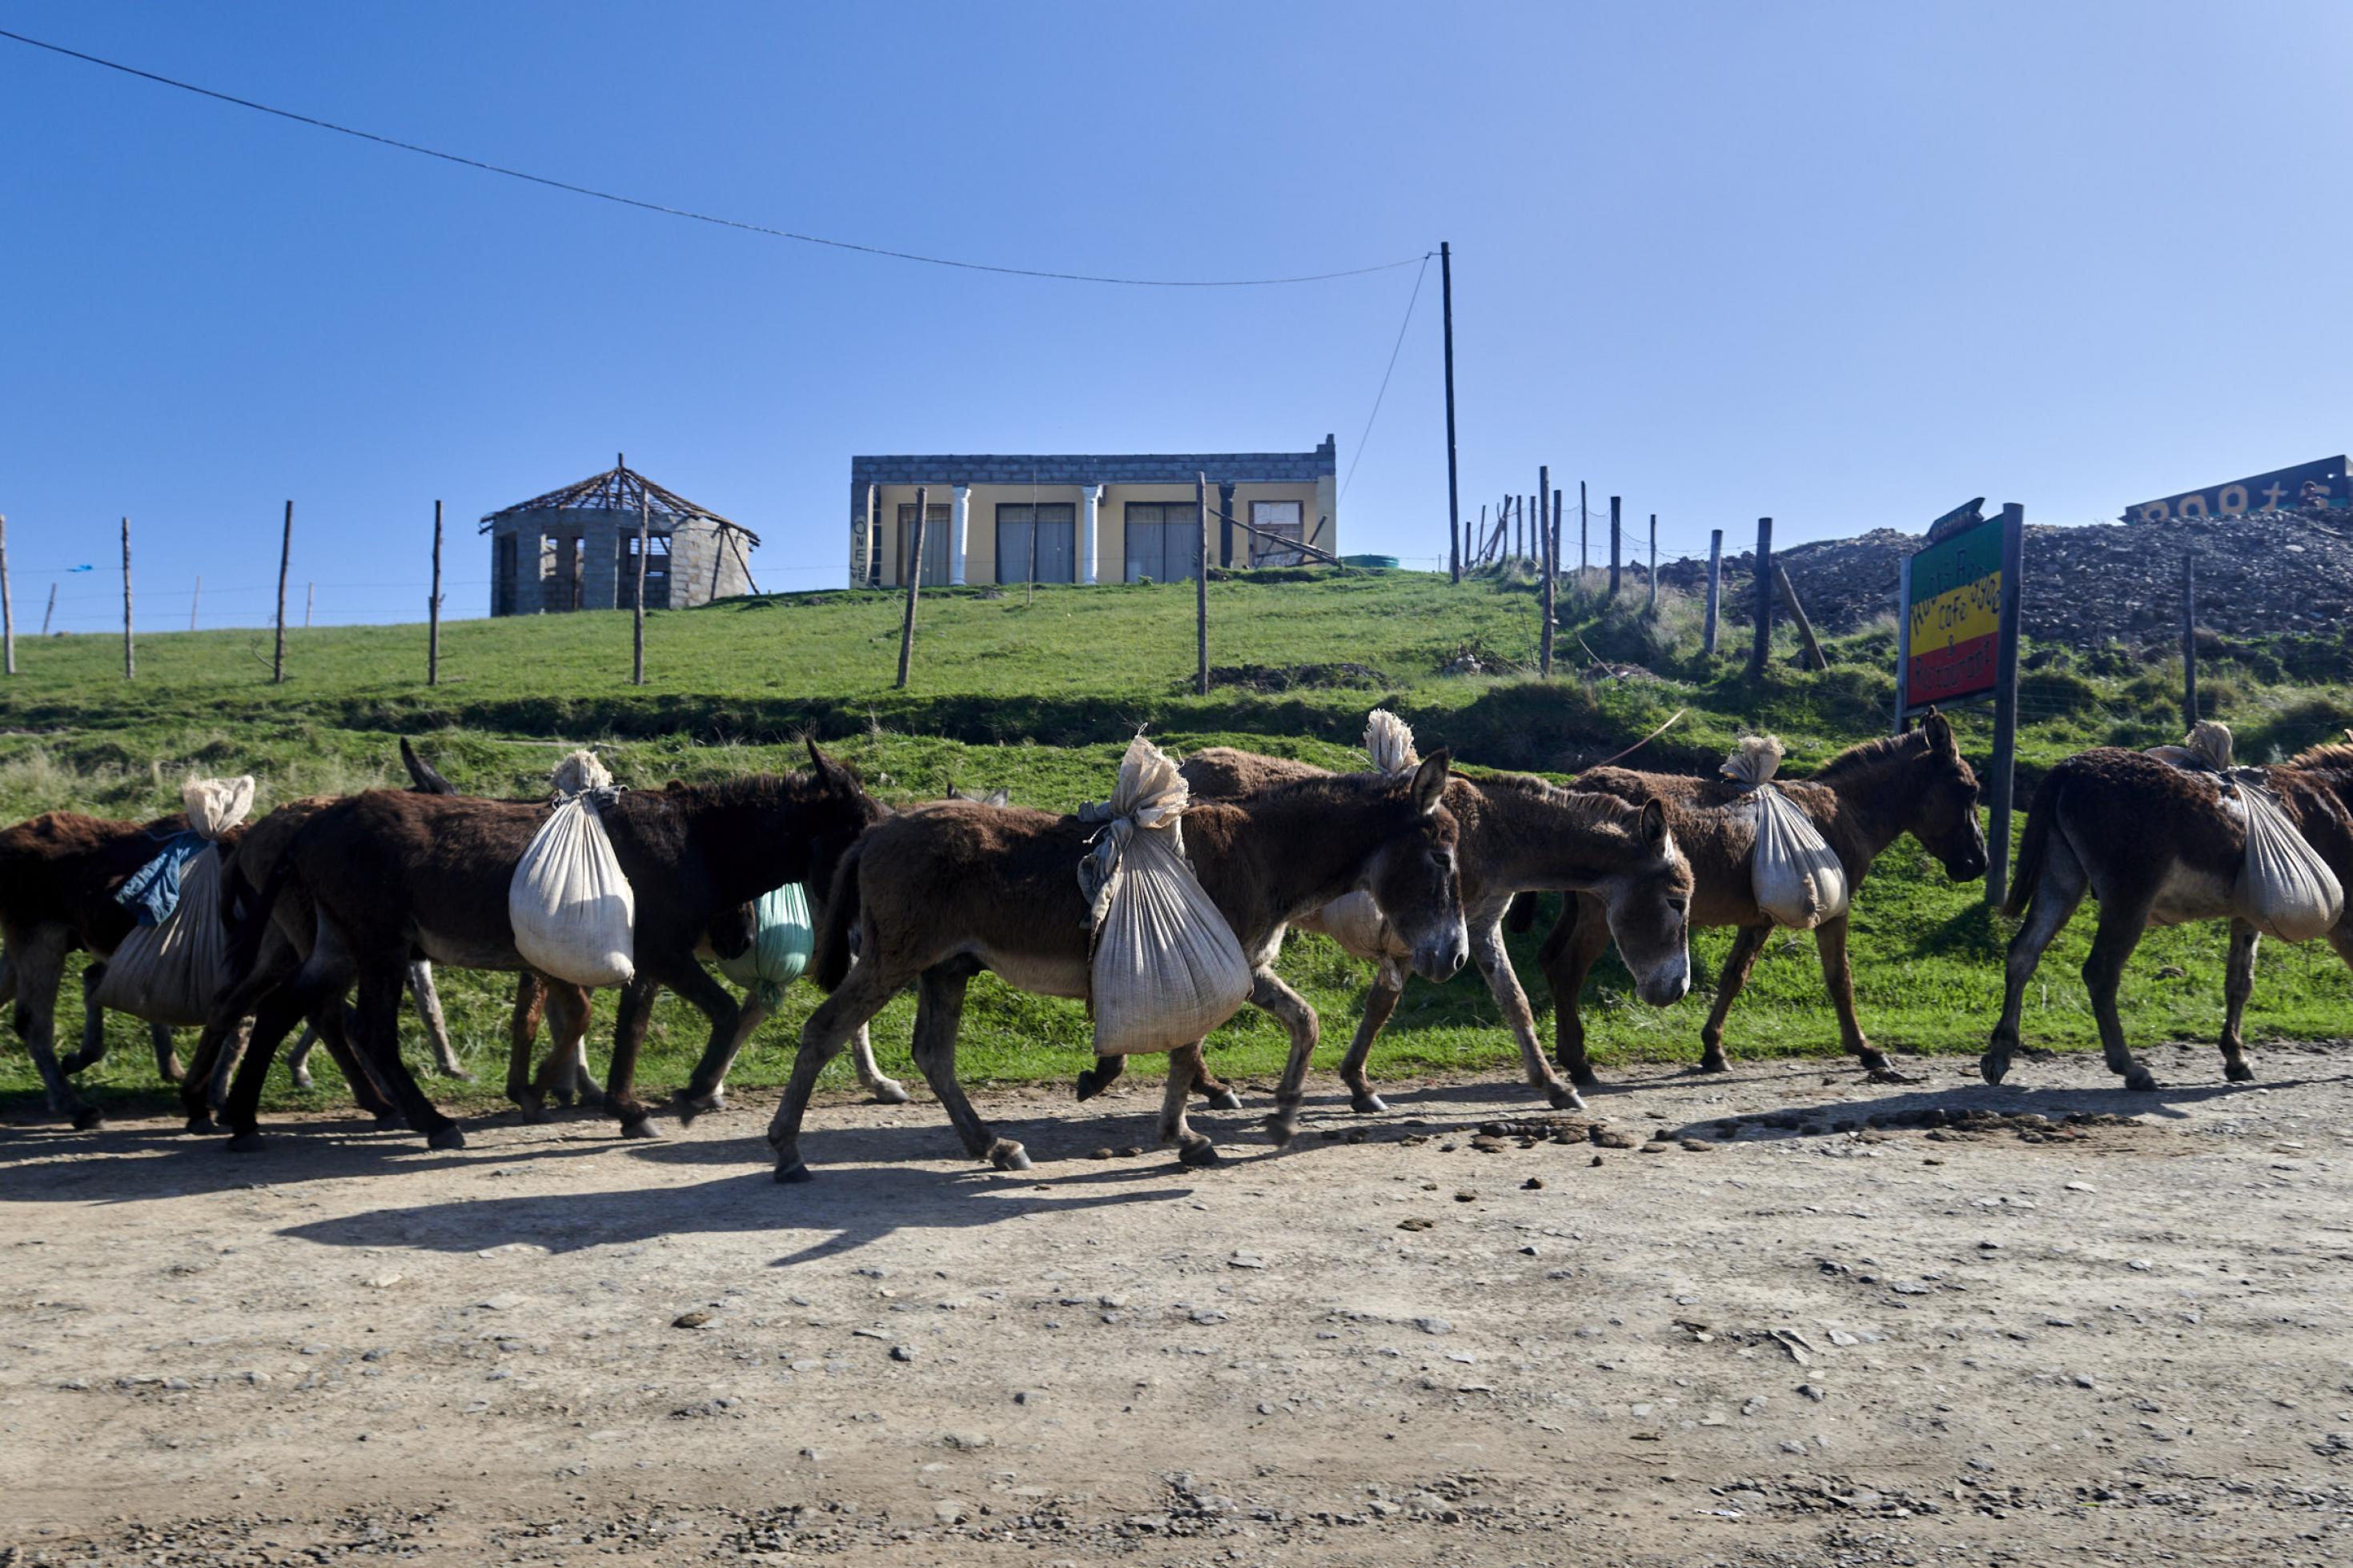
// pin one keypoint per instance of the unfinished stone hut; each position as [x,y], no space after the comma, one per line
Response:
[576,549]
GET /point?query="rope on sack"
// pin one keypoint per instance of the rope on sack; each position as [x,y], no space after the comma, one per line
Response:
[213,807]
[1795,877]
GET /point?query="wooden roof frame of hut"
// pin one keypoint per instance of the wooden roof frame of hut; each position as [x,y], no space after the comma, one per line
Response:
[622,489]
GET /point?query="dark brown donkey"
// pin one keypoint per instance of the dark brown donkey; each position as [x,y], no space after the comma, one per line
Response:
[1861,801]
[2157,845]
[394,874]
[59,876]
[940,894]
[1518,835]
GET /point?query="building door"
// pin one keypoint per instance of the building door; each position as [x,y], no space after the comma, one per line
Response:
[1164,540]
[502,578]
[1280,518]
[936,544]
[1051,528]
[564,590]
[625,590]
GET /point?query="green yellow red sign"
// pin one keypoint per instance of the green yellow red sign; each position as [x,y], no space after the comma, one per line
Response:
[1952,595]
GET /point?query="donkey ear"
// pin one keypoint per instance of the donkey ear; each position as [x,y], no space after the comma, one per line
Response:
[1654,821]
[1430,782]
[830,774]
[1939,731]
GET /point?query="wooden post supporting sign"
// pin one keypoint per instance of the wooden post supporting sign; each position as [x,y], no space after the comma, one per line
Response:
[2002,785]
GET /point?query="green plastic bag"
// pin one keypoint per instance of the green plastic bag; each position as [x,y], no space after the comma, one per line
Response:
[781,941]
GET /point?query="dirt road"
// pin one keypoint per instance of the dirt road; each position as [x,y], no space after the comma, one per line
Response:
[1795,1339]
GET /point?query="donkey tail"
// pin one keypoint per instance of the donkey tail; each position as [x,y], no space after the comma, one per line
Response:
[247,916]
[2034,846]
[1520,917]
[830,961]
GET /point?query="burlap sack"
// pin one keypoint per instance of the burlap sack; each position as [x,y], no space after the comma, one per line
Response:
[571,910]
[1792,873]
[782,936]
[169,973]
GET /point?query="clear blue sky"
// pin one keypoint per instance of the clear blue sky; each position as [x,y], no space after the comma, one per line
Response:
[1843,264]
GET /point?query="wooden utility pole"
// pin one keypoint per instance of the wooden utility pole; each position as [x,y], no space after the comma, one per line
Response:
[2189,640]
[913,567]
[1201,583]
[193,599]
[1715,588]
[129,654]
[636,598]
[1555,535]
[1654,563]
[7,605]
[433,609]
[1764,598]
[285,552]
[1453,494]
[1814,655]
[50,611]
[1543,641]
[1614,541]
[1584,532]
[2003,784]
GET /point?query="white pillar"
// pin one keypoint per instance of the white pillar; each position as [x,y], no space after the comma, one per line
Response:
[959,527]
[1093,494]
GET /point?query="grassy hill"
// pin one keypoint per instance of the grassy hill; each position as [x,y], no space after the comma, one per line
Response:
[1040,697]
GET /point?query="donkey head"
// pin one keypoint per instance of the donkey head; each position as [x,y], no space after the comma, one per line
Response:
[1940,803]
[1650,911]
[1412,876]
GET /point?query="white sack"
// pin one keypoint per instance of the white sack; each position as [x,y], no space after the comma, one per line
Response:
[1388,742]
[573,913]
[1164,968]
[2285,889]
[1352,920]
[169,973]
[1792,873]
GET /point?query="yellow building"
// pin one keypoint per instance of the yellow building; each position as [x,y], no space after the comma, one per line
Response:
[1011,519]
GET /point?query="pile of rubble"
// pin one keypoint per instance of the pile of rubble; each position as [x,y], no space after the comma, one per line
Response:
[2258,575]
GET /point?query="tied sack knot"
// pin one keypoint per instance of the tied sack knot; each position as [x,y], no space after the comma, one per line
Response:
[581,774]
[1388,742]
[1150,795]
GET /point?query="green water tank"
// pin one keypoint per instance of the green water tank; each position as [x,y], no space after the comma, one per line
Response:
[1386,561]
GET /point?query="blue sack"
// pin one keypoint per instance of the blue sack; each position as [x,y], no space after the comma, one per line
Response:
[782,937]
[152,891]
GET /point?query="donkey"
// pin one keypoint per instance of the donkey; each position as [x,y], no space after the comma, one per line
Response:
[2156,845]
[1519,835]
[939,894]
[59,875]
[1861,802]
[390,874]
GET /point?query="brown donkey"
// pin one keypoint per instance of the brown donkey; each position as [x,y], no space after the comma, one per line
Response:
[1861,801]
[2156,845]
[389,874]
[1518,835]
[940,894]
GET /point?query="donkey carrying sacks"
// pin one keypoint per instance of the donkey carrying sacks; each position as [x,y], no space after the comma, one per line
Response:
[2288,890]
[573,913]
[1164,968]
[1794,876]
[168,973]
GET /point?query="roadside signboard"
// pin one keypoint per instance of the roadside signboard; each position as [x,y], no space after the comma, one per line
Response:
[2279,489]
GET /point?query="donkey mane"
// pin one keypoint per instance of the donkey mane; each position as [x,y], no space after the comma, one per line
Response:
[753,790]
[1866,758]
[1586,807]
[2330,757]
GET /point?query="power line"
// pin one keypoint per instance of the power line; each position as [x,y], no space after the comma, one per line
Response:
[706,218]
[1358,456]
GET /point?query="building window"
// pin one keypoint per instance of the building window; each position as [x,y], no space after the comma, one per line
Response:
[936,544]
[657,572]
[1050,528]
[503,577]
[1283,518]
[559,571]
[1164,540]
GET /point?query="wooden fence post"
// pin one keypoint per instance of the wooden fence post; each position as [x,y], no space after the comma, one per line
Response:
[50,611]
[1654,563]
[636,598]
[1555,535]
[7,605]
[285,552]
[310,603]
[1798,613]
[1715,588]
[1543,641]
[130,653]
[2189,641]
[1764,598]
[1584,532]
[1614,534]
[911,564]
[1453,491]
[1200,582]
[433,609]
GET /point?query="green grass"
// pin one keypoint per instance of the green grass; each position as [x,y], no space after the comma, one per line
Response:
[1041,698]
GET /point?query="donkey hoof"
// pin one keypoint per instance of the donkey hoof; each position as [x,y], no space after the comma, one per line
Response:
[2140,1080]
[391,1121]
[533,1112]
[1197,1152]
[89,1118]
[1993,1067]
[691,1106]
[794,1172]
[563,1098]
[303,1080]
[248,1143]
[639,1127]
[1714,1061]
[1282,1127]
[172,1071]
[1883,1073]
[1564,1098]
[451,1069]
[1008,1155]
[451,1136]
[1089,1085]
[201,1123]
[891,1091]
[589,1095]
[2239,1072]
[1223,1100]
[1367,1103]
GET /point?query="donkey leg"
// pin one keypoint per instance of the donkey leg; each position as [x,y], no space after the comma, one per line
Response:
[92,1050]
[1575,944]
[298,1055]
[523,1027]
[2122,921]
[564,1076]
[1185,1070]
[2238,983]
[1094,1080]
[1829,946]
[885,1090]
[167,1057]
[334,1028]
[1487,951]
[1380,1001]
[629,1021]
[706,1089]
[2054,901]
[1215,1092]
[39,963]
[376,1019]
[939,1010]
[1291,1008]
[277,1013]
[436,1027]
[859,996]
[1747,942]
